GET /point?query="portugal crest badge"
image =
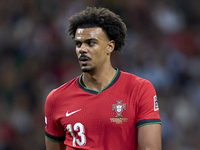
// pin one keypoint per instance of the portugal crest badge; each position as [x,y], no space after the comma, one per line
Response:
[119,107]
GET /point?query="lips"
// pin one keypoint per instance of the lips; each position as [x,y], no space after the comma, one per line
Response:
[84,59]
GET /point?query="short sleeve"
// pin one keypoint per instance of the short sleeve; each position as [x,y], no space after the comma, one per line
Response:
[148,110]
[53,130]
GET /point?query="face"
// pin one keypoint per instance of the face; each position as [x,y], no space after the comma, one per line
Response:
[92,46]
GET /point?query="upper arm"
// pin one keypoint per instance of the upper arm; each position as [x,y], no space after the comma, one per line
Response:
[53,128]
[149,137]
[51,145]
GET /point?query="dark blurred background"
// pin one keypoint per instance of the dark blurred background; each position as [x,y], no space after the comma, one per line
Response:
[37,55]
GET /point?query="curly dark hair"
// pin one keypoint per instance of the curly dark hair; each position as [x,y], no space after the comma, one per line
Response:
[110,23]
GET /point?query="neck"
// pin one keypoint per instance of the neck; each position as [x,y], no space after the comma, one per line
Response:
[98,79]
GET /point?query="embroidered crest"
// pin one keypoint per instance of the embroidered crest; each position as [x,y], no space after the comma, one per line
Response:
[119,107]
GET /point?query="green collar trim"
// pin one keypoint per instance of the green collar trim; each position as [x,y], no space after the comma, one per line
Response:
[114,80]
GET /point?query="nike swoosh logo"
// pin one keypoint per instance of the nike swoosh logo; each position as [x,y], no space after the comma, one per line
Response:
[69,114]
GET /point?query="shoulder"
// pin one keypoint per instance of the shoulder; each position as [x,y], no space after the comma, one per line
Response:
[55,93]
[67,85]
[131,82]
[133,79]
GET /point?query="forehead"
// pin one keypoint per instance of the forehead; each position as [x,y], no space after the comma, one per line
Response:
[87,33]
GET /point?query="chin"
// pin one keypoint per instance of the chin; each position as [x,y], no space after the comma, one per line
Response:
[88,69]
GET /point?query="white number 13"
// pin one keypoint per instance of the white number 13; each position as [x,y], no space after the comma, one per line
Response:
[77,126]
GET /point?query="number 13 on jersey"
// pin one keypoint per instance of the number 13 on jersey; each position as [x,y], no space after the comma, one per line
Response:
[78,127]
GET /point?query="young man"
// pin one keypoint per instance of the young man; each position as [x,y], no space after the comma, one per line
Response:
[104,108]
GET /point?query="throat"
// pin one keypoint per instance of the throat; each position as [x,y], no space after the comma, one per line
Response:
[94,85]
[97,83]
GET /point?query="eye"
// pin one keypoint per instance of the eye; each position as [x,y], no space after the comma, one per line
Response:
[91,43]
[78,44]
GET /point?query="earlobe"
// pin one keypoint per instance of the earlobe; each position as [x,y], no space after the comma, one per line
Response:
[111,46]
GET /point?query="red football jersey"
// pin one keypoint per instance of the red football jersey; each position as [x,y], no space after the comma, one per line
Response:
[88,119]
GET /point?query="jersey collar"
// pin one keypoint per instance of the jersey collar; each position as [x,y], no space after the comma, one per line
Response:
[114,80]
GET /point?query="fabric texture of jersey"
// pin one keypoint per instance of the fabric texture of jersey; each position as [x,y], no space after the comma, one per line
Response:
[87,119]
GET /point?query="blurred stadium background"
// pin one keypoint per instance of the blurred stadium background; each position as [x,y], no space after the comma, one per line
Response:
[37,55]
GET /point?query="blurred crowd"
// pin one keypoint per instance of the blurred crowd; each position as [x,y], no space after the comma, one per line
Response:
[37,55]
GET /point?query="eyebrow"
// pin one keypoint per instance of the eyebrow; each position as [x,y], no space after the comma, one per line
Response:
[87,40]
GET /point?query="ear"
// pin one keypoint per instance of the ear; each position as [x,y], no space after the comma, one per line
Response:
[111,46]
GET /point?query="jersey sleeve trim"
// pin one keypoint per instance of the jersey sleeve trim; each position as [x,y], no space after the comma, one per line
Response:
[54,138]
[148,121]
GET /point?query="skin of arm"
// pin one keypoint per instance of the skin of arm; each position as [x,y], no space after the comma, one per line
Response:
[51,145]
[149,137]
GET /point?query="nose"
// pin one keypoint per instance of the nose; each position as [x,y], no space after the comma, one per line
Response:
[83,48]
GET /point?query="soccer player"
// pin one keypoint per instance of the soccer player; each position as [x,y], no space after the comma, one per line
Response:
[104,108]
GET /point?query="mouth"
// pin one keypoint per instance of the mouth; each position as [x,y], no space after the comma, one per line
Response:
[84,59]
